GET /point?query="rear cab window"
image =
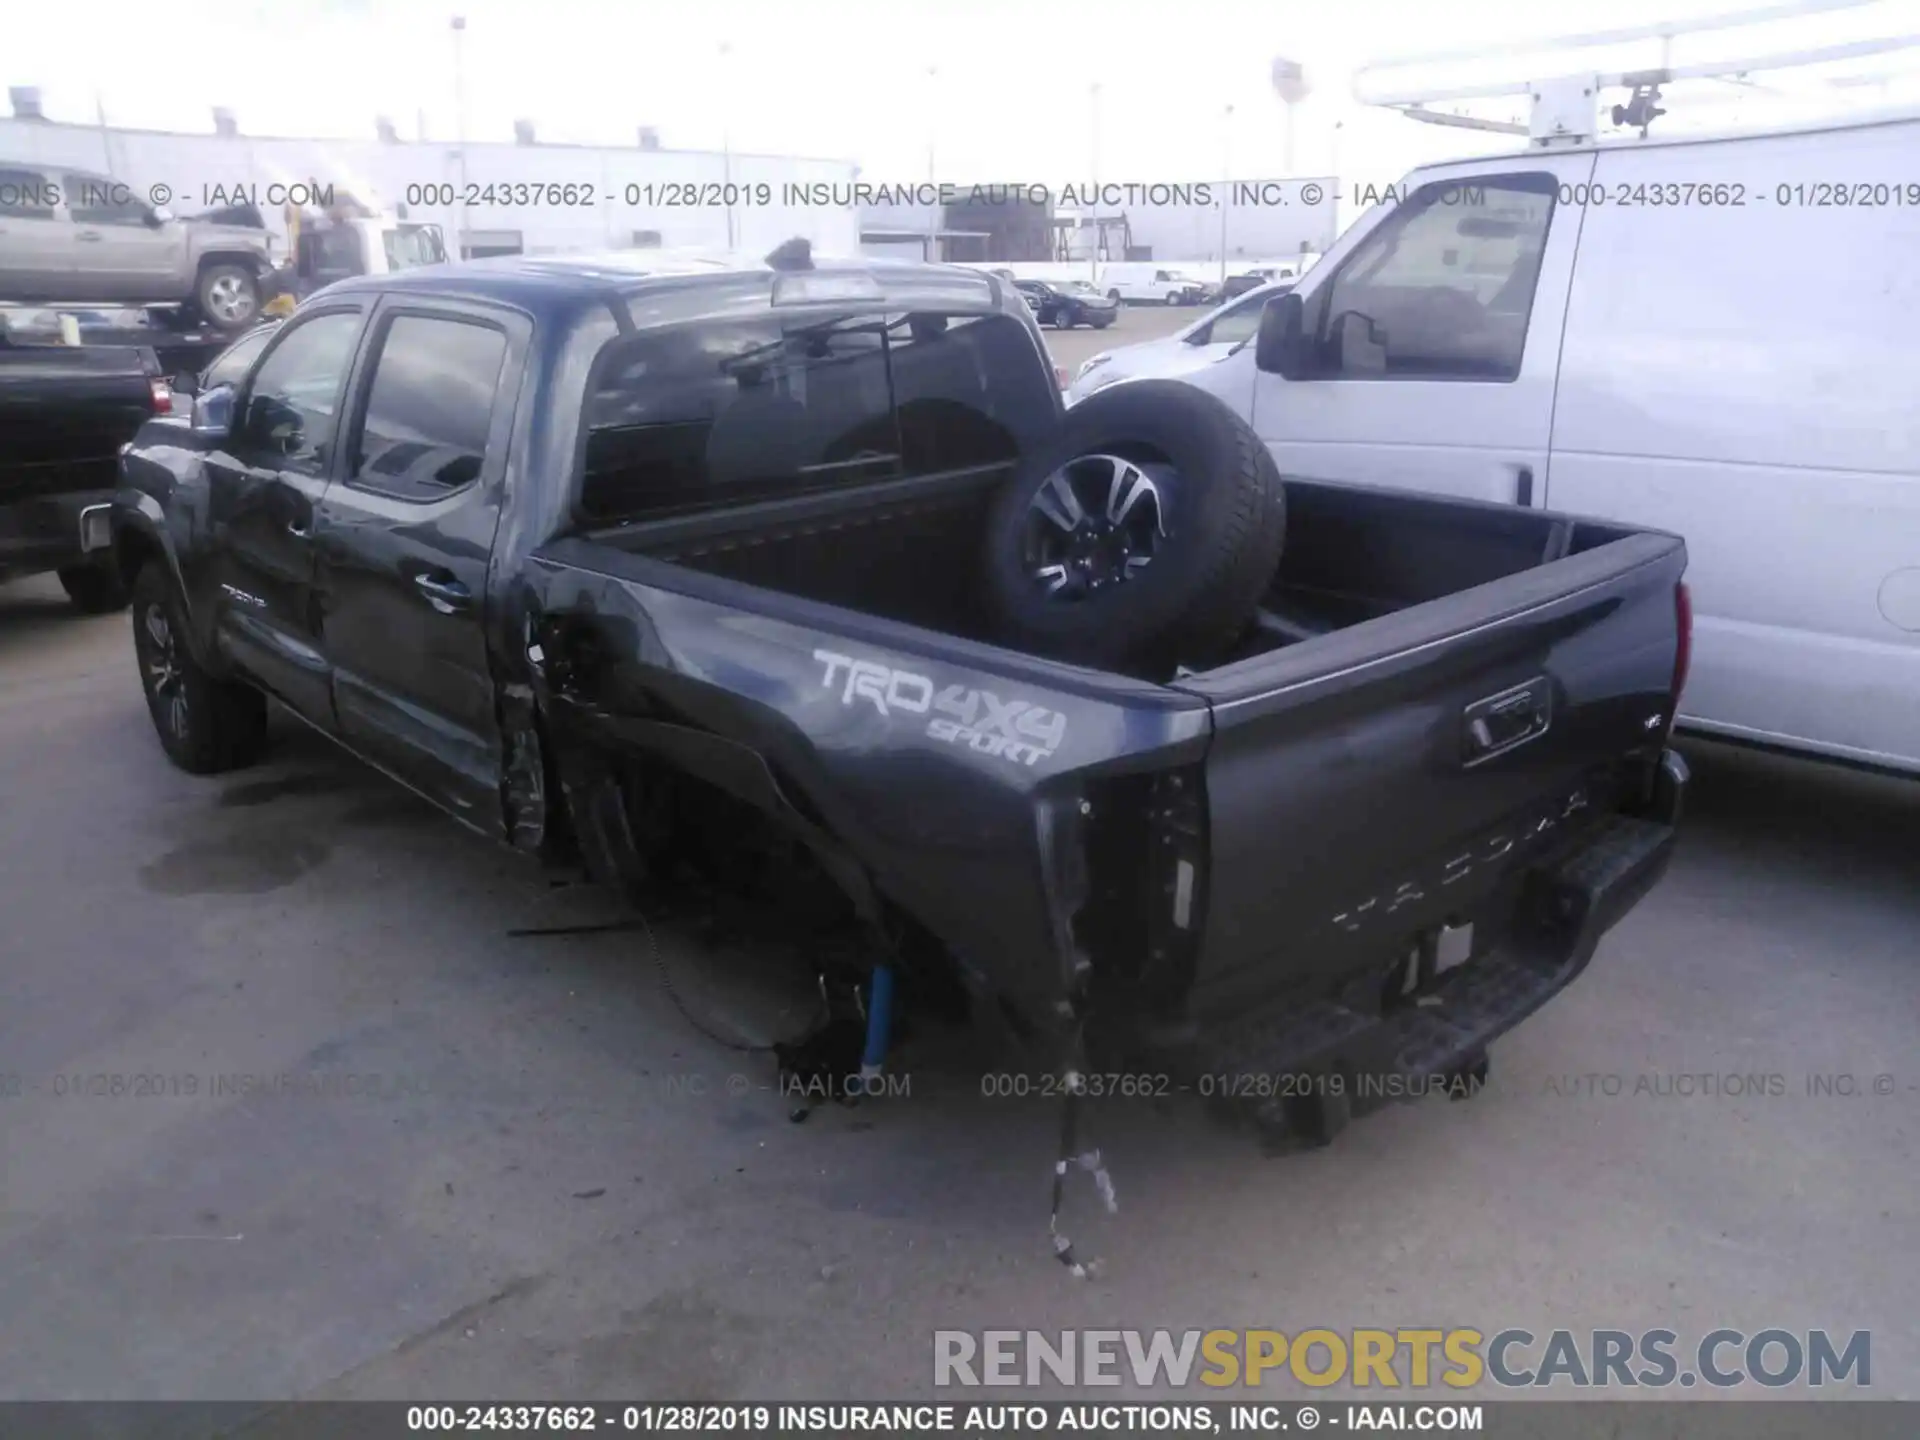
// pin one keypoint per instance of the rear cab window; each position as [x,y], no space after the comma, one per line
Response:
[714,414]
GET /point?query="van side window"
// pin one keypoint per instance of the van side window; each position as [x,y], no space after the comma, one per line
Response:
[1443,289]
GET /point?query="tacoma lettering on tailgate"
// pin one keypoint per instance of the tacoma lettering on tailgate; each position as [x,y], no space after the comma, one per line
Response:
[1015,730]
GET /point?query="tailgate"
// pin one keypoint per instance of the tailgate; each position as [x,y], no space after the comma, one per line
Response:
[1371,784]
[64,413]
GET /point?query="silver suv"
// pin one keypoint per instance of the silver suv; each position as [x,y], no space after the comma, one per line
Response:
[71,235]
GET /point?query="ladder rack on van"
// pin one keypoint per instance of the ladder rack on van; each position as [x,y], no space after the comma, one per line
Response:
[1565,108]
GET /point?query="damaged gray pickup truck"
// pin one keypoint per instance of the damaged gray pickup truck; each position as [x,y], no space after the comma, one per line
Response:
[639,563]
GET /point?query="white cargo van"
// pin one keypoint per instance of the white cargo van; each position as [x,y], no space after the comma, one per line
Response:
[1715,336]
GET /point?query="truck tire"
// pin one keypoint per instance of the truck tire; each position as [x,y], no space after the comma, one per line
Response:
[1142,539]
[206,724]
[95,588]
[227,295]
[1114,296]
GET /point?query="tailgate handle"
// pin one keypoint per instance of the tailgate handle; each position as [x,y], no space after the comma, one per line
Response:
[1500,722]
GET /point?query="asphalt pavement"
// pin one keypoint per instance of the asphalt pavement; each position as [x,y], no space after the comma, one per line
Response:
[287,1110]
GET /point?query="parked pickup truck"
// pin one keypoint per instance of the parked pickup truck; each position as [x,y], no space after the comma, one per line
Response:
[649,562]
[65,412]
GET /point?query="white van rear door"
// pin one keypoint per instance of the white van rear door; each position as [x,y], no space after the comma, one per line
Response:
[1436,338]
[1740,368]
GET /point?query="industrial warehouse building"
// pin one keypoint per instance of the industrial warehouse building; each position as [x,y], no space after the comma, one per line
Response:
[1264,220]
[489,198]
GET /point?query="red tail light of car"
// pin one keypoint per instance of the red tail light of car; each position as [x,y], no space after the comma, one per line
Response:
[161,394]
[1683,651]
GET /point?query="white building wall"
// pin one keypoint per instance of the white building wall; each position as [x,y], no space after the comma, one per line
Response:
[677,194]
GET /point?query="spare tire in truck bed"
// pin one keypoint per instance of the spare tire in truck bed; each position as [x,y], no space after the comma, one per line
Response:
[1142,539]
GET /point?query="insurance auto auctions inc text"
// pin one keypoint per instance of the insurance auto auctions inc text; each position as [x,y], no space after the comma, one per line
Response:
[1404,1358]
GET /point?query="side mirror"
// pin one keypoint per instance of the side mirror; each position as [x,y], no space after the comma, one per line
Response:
[158,216]
[1281,346]
[213,412]
[187,384]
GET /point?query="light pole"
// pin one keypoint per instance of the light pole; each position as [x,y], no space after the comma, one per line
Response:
[1226,171]
[1333,169]
[1093,167]
[726,135]
[933,205]
[1290,84]
[460,128]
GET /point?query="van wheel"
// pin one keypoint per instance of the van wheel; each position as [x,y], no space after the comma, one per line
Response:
[228,295]
[1114,296]
[95,588]
[206,725]
[1142,539]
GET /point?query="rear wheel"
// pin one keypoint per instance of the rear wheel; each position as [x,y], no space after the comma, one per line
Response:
[1063,319]
[1114,296]
[228,295]
[95,588]
[205,724]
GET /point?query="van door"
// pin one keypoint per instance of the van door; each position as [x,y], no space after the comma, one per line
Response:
[1739,368]
[1436,339]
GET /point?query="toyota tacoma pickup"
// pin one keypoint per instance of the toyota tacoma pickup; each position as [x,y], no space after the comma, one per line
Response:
[631,563]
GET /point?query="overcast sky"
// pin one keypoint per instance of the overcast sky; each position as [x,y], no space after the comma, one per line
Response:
[1011,99]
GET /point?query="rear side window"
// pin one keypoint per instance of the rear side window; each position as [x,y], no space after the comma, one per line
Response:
[712,415]
[27,194]
[429,408]
[1443,289]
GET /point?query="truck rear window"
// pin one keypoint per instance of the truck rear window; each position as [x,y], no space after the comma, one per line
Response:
[719,414]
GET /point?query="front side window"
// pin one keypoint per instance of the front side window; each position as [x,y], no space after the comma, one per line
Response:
[293,405]
[423,434]
[1443,289]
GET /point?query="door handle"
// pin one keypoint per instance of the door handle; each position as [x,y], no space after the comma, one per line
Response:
[1523,485]
[89,235]
[443,592]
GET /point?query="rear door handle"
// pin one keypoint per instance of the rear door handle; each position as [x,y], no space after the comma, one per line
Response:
[443,592]
[1523,485]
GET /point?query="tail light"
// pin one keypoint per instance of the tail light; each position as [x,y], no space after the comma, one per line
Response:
[1060,376]
[1683,649]
[161,394]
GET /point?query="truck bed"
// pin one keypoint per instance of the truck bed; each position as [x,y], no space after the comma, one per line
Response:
[1259,836]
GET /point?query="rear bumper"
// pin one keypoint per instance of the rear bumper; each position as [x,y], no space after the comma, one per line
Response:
[50,532]
[1311,1067]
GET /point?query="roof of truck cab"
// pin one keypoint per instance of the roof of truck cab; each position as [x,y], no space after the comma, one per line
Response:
[541,281]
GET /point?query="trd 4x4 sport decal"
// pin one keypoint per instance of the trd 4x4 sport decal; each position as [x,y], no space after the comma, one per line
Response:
[1015,730]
